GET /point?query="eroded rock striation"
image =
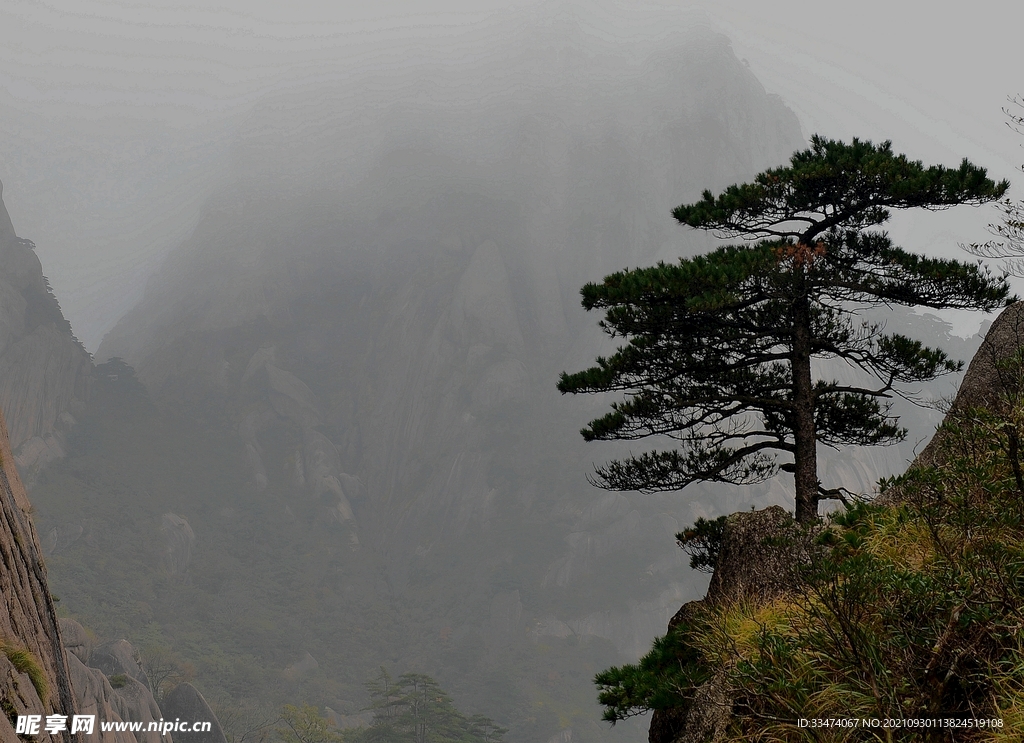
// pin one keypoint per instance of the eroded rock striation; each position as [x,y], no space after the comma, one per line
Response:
[109,682]
[34,676]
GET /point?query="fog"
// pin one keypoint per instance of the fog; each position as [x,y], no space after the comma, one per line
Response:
[341,250]
[116,117]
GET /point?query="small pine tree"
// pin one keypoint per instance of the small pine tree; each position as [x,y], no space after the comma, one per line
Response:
[415,709]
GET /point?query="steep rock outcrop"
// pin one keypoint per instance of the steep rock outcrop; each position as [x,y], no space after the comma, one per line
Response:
[755,562]
[109,683]
[187,704]
[44,370]
[28,621]
[94,696]
[178,542]
[990,382]
[279,399]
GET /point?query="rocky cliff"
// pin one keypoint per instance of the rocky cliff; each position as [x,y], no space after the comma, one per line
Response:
[993,380]
[34,676]
[44,370]
[44,376]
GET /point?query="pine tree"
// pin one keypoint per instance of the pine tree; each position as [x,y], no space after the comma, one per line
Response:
[415,709]
[721,348]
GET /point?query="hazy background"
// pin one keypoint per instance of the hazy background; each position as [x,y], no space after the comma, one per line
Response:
[116,116]
[342,249]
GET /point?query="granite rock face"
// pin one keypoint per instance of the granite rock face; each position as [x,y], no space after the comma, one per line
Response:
[109,682]
[990,382]
[44,370]
[187,704]
[134,701]
[28,621]
[95,696]
[178,542]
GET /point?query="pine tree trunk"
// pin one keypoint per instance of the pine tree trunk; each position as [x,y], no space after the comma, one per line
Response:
[805,475]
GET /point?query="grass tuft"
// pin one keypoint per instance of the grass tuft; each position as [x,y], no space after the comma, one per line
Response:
[24,662]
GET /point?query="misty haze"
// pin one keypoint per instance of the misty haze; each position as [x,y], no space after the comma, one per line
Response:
[286,406]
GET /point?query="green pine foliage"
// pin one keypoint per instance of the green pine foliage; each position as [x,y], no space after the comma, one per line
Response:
[414,709]
[702,542]
[909,609]
[718,348]
[663,679]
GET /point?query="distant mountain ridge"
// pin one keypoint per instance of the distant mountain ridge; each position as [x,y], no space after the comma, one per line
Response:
[44,370]
[350,404]
[382,341]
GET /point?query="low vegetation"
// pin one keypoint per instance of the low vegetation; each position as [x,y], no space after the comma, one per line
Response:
[25,662]
[912,608]
[409,709]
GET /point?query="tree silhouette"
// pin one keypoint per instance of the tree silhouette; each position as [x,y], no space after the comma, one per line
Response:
[720,349]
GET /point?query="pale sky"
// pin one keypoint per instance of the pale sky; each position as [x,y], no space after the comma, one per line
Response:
[113,114]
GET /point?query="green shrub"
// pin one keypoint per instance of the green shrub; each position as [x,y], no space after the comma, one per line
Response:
[664,678]
[702,542]
[118,680]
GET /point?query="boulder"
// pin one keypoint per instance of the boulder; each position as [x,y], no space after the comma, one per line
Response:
[116,688]
[95,696]
[76,639]
[185,703]
[133,701]
[178,541]
[119,658]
